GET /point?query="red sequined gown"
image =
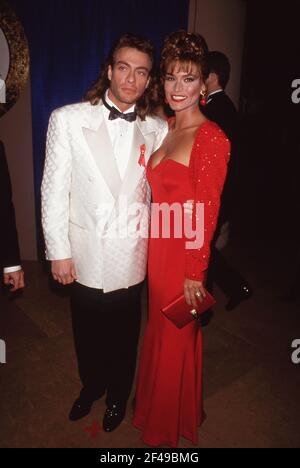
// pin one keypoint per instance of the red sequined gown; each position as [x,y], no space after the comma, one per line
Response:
[168,400]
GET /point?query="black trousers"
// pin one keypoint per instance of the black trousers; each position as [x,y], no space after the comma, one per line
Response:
[229,280]
[106,330]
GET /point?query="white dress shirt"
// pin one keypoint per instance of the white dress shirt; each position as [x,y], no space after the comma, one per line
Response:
[208,97]
[121,135]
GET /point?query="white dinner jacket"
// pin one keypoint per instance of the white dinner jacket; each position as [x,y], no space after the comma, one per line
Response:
[88,213]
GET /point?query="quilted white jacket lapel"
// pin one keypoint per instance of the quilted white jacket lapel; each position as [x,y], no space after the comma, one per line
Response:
[98,140]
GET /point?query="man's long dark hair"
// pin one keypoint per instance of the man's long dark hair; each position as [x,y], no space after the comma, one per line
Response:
[97,91]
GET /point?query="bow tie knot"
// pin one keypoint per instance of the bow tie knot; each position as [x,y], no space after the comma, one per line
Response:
[116,114]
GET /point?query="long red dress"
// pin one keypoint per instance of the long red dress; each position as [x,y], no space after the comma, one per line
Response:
[168,401]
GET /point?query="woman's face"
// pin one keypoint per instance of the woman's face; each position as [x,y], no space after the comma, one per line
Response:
[183,86]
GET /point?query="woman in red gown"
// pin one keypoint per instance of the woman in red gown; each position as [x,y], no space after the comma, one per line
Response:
[190,165]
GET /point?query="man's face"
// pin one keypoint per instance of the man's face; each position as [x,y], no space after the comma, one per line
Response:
[129,77]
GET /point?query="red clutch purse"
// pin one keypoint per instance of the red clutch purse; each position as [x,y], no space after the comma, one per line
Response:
[180,313]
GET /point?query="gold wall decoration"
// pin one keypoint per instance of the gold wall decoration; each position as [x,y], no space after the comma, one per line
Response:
[14,57]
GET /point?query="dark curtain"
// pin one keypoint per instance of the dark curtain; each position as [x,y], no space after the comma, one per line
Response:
[69,40]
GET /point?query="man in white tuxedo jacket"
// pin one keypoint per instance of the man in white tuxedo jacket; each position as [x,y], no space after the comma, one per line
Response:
[95,213]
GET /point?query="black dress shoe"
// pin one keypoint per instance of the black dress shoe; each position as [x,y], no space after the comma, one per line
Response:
[81,407]
[113,417]
[242,295]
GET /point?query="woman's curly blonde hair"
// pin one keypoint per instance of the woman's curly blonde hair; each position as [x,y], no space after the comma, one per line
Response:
[186,48]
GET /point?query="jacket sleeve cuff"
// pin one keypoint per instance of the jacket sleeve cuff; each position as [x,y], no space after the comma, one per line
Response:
[194,273]
[12,269]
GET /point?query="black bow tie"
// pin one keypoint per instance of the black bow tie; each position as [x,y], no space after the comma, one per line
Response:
[116,114]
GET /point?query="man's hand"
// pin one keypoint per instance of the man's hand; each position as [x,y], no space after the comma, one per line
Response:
[63,271]
[15,279]
[194,291]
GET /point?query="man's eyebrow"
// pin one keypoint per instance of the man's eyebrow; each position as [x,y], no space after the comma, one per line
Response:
[120,62]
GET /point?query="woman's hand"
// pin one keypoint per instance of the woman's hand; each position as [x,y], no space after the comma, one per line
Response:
[193,291]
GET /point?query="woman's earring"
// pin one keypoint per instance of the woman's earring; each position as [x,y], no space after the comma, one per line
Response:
[203,97]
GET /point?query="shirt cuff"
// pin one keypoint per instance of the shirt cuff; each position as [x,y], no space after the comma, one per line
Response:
[12,269]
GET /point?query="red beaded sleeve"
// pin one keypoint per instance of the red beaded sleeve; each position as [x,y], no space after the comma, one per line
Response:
[208,169]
